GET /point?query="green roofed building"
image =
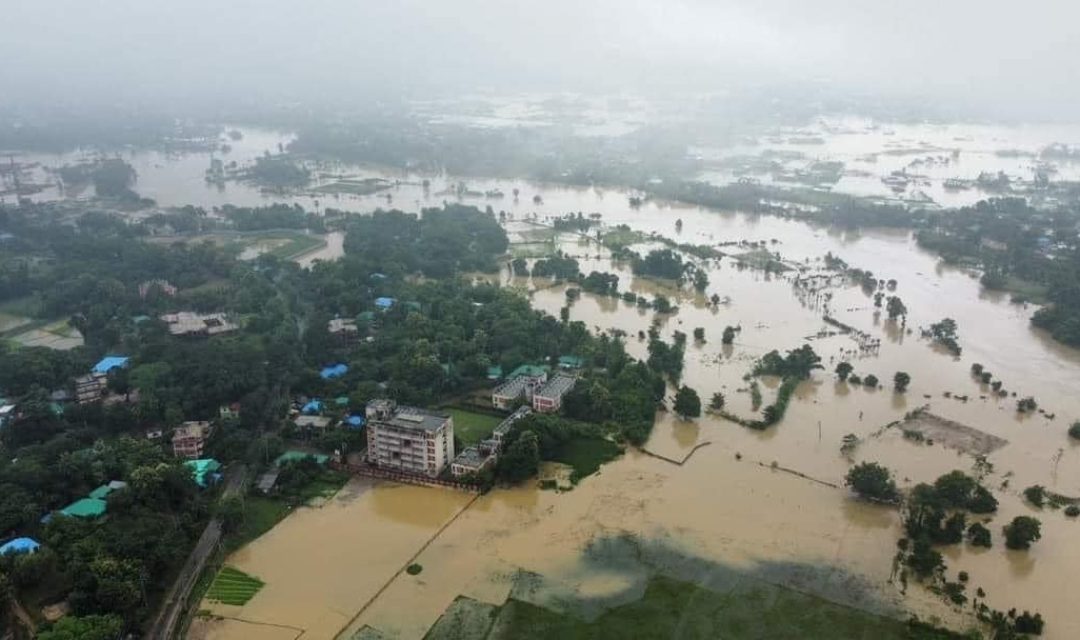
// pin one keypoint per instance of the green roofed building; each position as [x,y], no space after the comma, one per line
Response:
[494,373]
[365,317]
[291,456]
[571,362]
[202,469]
[531,370]
[85,508]
[101,492]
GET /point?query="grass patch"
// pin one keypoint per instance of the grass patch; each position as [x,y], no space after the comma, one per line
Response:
[325,486]
[355,186]
[471,427]
[1026,290]
[586,455]
[622,237]
[297,244]
[260,516]
[674,609]
[233,587]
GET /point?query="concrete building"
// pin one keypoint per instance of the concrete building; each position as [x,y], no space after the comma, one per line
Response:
[90,388]
[504,427]
[408,439]
[189,439]
[187,323]
[471,460]
[344,330]
[520,385]
[548,399]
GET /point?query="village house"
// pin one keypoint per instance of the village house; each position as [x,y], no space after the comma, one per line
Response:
[548,398]
[187,323]
[344,330]
[313,423]
[408,439]
[189,439]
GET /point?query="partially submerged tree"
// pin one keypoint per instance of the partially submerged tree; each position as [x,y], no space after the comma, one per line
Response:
[1022,532]
[901,381]
[843,370]
[687,403]
[872,481]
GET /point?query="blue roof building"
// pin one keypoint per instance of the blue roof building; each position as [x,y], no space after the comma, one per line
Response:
[354,422]
[108,363]
[336,371]
[312,407]
[19,545]
[384,303]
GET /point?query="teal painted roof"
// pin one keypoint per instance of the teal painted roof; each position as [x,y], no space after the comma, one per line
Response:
[529,370]
[101,492]
[85,508]
[571,362]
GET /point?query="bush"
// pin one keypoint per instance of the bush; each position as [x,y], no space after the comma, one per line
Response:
[870,381]
[413,569]
[1074,430]
[1072,510]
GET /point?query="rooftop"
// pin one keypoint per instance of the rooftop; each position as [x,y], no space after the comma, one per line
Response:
[108,363]
[318,422]
[187,323]
[470,457]
[505,425]
[334,371]
[342,325]
[414,419]
[192,430]
[557,386]
[19,545]
[85,508]
[535,370]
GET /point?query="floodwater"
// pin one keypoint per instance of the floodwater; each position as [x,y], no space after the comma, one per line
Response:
[340,566]
[741,513]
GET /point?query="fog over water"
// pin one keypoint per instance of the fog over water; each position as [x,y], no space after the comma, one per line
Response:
[990,58]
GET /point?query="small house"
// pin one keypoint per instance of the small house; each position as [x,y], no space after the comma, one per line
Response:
[85,508]
[206,471]
[108,363]
[19,545]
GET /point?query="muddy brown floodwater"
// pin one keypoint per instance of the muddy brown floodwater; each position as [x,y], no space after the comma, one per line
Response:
[333,569]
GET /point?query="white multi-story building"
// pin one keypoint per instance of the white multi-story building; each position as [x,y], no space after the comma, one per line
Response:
[408,439]
[548,399]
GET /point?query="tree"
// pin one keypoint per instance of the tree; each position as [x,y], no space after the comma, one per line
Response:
[870,381]
[1074,430]
[843,370]
[1036,495]
[699,334]
[901,381]
[924,560]
[522,458]
[895,308]
[1025,405]
[717,401]
[1022,532]
[729,335]
[872,481]
[84,628]
[687,403]
[978,535]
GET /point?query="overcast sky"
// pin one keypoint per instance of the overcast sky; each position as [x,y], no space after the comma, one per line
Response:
[1021,57]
